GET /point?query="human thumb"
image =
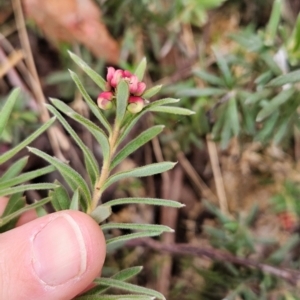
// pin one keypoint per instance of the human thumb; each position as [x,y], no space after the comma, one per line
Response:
[53,257]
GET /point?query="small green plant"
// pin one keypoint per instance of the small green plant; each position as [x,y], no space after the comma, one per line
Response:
[251,93]
[236,235]
[126,94]
[12,181]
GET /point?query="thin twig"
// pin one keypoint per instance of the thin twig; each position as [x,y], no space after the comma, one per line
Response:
[11,61]
[292,276]
[35,83]
[203,189]
[214,160]
[163,278]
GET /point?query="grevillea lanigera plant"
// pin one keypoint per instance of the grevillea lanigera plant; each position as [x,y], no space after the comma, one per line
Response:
[127,95]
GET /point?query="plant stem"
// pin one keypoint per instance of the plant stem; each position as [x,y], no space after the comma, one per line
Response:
[105,171]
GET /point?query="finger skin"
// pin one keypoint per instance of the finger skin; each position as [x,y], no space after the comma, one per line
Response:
[18,276]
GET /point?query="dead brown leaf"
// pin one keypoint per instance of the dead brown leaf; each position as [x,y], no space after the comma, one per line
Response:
[71,21]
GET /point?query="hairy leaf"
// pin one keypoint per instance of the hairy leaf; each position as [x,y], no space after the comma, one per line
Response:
[122,95]
[101,213]
[14,169]
[17,213]
[9,154]
[74,205]
[149,201]
[27,187]
[92,105]
[141,68]
[123,275]
[67,172]
[139,172]
[130,226]
[136,143]
[7,108]
[25,177]
[89,71]
[109,282]
[91,162]
[152,91]
[173,110]
[60,198]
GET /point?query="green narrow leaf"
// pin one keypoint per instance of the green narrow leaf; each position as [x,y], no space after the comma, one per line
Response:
[92,105]
[274,104]
[173,110]
[226,133]
[116,242]
[16,202]
[209,78]
[91,162]
[60,197]
[269,60]
[9,154]
[17,213]
[141,68]
[114,297]
[268,128]
[201,92]
[233,115]
[281,80]
[218,126]
[14,169]
[224,68]
[148,201]
[282,132]
[279,255]
[96,131]
[26,177]
[128,273]
[67,172]
[136,143]
[148,170]
[89,71]
[101,213]
[255,97]
[130,226]
[273,23]
[109,282]
[74,205]
[263,78]
[134,118]
[122,95]
[123,275]
[41,211]
[27,187]
[152,91]
[160,102]
[7,109]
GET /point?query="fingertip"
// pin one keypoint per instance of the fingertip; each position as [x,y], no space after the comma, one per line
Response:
[62,253]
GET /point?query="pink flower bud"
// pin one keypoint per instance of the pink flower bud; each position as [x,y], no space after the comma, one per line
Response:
[104,100]
[117,76]
[140,88]
[110,73]
[135,104]
[127,74]
[133,84]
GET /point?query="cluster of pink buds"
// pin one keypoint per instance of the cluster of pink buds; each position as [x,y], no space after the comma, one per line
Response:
[136,89]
